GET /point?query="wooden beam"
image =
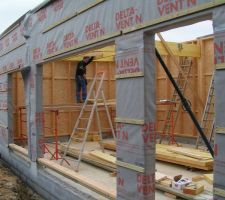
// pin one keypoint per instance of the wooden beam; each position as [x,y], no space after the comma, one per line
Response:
[18,149]
[208,178]
[178,49]
[87,182]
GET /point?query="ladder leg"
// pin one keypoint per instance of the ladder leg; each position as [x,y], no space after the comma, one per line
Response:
[99,126]
[81,151]
[108,116]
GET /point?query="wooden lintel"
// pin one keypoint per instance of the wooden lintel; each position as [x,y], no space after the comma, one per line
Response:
[178,49]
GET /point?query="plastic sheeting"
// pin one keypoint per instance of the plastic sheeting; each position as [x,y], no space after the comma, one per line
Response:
[15,60]
[63,26]
[12,40]
[136,101]
[219,146]
[103,20]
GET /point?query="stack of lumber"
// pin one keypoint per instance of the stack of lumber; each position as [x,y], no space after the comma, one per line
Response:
[107,161]
[90,158]
[109,144]
[208,178]
[189,157]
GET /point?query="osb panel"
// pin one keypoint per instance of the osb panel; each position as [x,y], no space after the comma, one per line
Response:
[48,124]
[208,53]
[60,92]
[61,69]
[161,94]
[63,125]
[47,92]
[47,70]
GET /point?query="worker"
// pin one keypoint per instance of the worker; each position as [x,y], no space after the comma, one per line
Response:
[81,80]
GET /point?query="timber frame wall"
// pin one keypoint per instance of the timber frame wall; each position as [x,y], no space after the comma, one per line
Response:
[61,28]
[59,89]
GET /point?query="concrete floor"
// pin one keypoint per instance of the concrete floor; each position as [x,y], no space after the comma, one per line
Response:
[104,177]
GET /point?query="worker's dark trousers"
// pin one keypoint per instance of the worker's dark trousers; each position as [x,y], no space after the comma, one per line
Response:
[81,86]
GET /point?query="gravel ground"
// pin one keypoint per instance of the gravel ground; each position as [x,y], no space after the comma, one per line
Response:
[12,188]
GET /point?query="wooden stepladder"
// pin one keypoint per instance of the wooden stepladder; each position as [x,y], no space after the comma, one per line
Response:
[208,117]
[173,111]
[89,107]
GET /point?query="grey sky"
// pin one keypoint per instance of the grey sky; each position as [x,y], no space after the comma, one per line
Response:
[11,10]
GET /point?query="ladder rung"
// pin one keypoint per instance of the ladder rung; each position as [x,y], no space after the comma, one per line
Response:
[84,118]
[76,139]
[208,120]
[82,129]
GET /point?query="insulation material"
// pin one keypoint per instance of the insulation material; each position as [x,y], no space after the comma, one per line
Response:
[12,40]
[15,60]
[3,83]
[3,135]
[219,159]
[134,98]
[135,185]
[136,101]
[137,141]
[53,14]
[35,118]
[92,25]
[4,108]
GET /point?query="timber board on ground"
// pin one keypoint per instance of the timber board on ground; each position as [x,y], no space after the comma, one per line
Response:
[188,157]
[107,161]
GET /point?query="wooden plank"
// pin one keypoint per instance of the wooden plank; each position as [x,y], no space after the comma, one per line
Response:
[206,195]
[130,166]
[198,154]
[170,195]
[87,182]
[104,156]
[89,158]
[18,149]
[160,176]
[193,189]
[197,178]
[209,178]
[163,154]
[129,121]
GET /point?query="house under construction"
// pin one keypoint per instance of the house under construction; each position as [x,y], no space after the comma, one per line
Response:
[147,100]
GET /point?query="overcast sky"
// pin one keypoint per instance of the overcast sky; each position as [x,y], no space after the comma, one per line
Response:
[11,10]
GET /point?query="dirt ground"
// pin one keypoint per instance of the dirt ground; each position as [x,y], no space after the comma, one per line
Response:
[12,188]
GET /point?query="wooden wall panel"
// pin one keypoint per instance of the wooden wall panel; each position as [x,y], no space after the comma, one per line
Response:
[59,89]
